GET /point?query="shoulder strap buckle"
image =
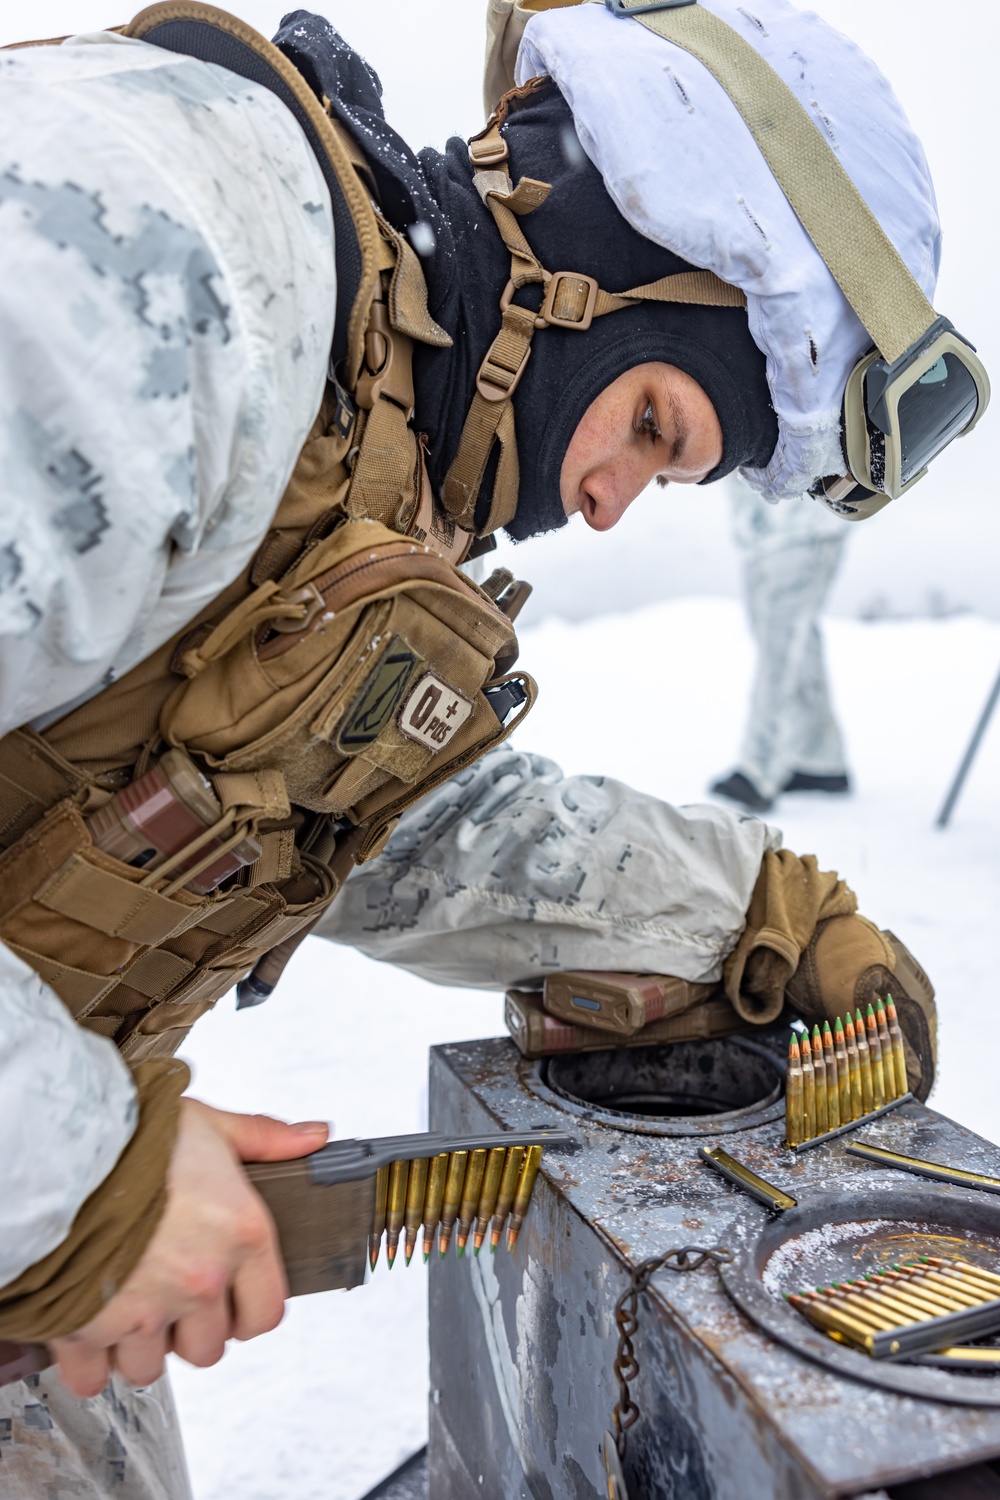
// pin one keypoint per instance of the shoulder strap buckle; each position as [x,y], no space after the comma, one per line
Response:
[388,364]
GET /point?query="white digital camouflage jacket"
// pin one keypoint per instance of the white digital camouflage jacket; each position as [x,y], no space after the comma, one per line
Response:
[166,308]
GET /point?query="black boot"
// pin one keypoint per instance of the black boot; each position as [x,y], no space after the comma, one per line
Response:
[805,781]
[739,788]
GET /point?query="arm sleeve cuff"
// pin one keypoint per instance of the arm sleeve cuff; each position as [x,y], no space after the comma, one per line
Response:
[70,1285]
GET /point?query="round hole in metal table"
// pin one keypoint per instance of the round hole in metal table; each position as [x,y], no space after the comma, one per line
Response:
[680,1089]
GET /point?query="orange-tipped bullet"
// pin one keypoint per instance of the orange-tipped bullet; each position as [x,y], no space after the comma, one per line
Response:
[454,1179]
[819,1072]
[471,1188]
[843,1073]
[885,1042]
[505,1197]
[853,1069]
[793,1094]
[523,1192]
[898,1054]
[808,1090]
[490,1192]
[832,1080]
[433,1198]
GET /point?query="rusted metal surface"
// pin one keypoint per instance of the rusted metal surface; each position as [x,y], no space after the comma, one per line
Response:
[522,1349]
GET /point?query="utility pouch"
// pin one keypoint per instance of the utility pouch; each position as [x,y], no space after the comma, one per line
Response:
[358,675]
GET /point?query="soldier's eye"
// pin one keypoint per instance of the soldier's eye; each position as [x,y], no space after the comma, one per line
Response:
[648,423]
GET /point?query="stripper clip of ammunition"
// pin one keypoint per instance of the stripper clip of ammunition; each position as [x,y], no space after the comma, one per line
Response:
[740,1176]
[934,1170]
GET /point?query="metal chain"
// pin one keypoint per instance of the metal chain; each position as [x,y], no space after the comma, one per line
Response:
[689,1258]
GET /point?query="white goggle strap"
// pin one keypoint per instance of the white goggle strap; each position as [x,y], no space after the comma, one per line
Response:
[859,255]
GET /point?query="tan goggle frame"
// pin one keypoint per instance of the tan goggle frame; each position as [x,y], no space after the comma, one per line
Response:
[856,430]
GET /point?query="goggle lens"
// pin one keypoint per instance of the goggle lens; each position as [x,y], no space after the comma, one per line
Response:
[931,412]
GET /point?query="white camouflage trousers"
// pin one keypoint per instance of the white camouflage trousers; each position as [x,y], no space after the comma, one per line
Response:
[791,553]
[124,1444]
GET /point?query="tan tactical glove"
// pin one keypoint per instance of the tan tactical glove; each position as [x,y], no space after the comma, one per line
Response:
[847,963]
[805,942]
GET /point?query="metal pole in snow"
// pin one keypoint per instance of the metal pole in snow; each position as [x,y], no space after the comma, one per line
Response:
[969,756]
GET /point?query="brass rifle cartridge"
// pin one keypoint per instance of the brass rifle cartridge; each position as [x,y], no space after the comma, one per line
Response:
[865,1064]
[452,1202]
[505,1197]
[416,1186]
[843,1073]
[833,1118]
[898,1051]
[918,1287]
[474,1173]
[819,1071]
[326,1208]
[953,1263]
[960,1358]
[522,1193]
[892,1309]
[395,1209]
[888,1063]
[908,1298]
[862,1309]
[433,1199]
[962,1294]
[977,1292]
[378,1217]
[875,1052]
[488,1195]
[853,1068]
[794,1125]
[808,1091]
[832,1320]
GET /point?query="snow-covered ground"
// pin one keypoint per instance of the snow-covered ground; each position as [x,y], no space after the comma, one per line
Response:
[324,1407]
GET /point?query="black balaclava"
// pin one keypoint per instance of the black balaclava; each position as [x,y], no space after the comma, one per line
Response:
[467,266]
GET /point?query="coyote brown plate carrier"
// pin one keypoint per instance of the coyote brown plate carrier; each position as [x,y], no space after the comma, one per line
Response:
[349,670]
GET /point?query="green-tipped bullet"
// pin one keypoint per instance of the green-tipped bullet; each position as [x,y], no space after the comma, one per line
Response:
[843,1072]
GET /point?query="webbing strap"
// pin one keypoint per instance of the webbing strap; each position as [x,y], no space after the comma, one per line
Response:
[108,903]
[859,255]
[701,287]
[572,300]
[385,476]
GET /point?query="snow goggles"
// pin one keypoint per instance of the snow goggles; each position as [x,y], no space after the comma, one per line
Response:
[899,416]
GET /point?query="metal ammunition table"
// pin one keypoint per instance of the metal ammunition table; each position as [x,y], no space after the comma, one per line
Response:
[522,1385]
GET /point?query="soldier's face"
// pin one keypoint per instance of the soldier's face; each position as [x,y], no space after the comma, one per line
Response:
[653,422]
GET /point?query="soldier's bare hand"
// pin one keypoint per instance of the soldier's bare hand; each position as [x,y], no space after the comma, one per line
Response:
[211,1271]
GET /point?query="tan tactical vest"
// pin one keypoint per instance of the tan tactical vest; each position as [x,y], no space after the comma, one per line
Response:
[348,671]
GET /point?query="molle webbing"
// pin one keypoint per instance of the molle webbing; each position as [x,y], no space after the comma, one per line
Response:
[332,684]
